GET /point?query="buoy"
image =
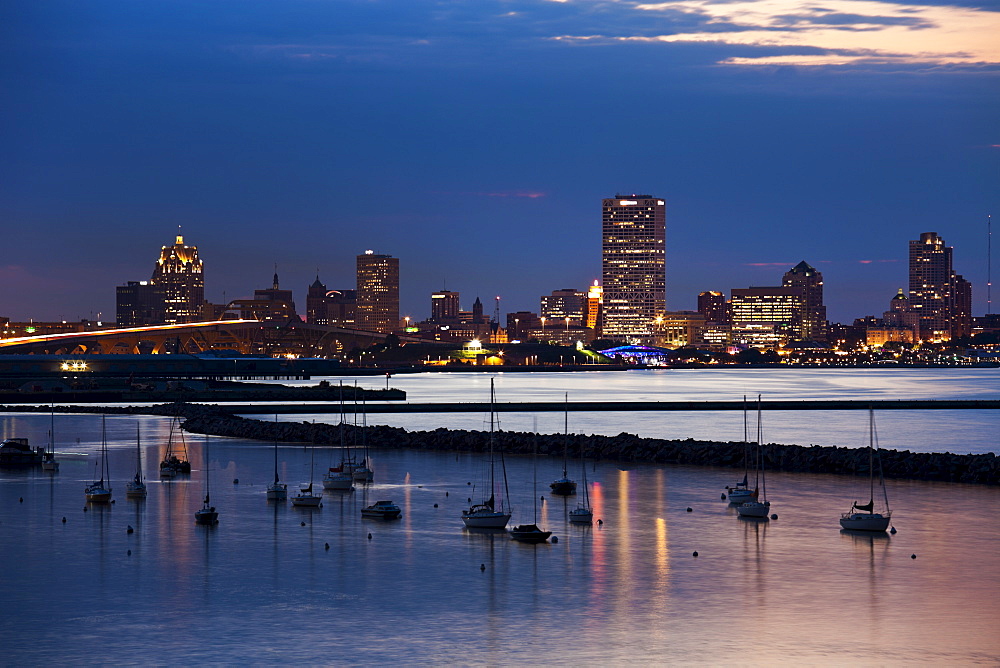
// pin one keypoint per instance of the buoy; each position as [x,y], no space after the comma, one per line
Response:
[892,530]
[689,509]
[600,521]
[774,516]
[446,493]
[369,535]
[695,553]
[302,524]
[723,497]
[482,567]
[326,546]
[112,501]
[129,529]
[420,486]
[236,481]
[555,539]
[130,553]
[85,509]
[64,520]
[470,499]
[20,499]
[435,505]
[543,498]
[913,556]
[468,483]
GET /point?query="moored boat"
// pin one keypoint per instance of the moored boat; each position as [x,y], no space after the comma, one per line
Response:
[208,515]
[486,515]
[136,487]
[758,507]
[386,510]
[862,516]
[100,491]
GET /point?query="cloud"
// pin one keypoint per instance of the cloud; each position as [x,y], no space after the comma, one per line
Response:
[838,32]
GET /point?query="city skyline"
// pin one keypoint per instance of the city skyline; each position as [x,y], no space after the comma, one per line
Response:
[472,141]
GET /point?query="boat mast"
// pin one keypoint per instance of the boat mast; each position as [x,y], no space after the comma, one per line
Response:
[276,448]
[492,481]
[871,459]
[760,454]
[565,434]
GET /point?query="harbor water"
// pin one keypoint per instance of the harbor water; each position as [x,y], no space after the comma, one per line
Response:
[276,584]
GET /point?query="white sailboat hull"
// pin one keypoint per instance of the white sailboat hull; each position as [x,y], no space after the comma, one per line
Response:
[740,496]
[486,520]
[754,509]
[277,491]
[135,490]
[306,501]
[865,521]
[581,516]
[98,494]
[342,483]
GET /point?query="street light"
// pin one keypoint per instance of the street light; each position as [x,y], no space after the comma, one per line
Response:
[543,329]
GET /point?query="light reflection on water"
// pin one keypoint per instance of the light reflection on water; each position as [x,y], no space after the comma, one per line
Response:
[795,590]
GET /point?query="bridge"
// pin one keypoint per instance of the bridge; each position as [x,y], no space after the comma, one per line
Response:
[248,337]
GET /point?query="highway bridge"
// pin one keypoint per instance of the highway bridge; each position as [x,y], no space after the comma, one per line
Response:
[248,337]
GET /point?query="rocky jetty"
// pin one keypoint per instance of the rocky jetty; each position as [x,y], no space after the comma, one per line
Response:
[947,467]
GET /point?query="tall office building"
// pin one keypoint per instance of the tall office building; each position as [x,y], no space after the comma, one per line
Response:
[766,317]
[562,304]
[139,303]
[444,306]
[378,293]
[180,274]
[940,299]
[316,303]
[712,305]
[633,266]
[813,318]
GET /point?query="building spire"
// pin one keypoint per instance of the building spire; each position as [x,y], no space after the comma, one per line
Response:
[275,286]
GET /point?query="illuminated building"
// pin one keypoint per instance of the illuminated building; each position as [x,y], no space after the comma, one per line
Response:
[377,306]
[680,329]
[633,266]
[316,303]
[940,299]
[766,317]
[444,306]
[712,305]
[813,317]
[139,303]
[180,274]
[592,308]
[562,304]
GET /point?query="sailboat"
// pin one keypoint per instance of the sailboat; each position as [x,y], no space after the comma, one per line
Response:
[49,462]
[172,465]
[862,517]
[208,515]
[99,491]
[277,490]
[485,515]
[363,472]
[336,477]
[758,506]
[306,498]
[564,485]
[583,513]
[530,533]
[136,488]
[742,493]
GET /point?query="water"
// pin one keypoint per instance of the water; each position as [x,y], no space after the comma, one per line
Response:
[261,588]
[958,431]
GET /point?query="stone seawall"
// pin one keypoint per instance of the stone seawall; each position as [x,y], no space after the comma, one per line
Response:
[981,469]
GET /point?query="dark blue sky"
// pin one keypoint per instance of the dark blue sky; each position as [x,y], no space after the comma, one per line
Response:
[475,140]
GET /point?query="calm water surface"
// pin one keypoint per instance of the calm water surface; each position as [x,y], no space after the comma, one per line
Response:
[261,588]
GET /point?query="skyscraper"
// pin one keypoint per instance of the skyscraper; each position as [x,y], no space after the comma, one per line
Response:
[802,275]
[180,275]
[563,304]
[378,292]
[940,299]
[633,266]
[766,317]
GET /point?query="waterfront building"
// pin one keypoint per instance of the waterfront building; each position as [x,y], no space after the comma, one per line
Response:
[592,308]
[940,299]
[712,305]
[179,273]
[879,336]
[633,266]
[562,304]
[766,317]
[445,306]
[316,303]
[813,317]
[139,304]
[519,322]
[377,306]
[680,329]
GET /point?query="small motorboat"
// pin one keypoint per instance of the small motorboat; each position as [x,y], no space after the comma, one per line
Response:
[385,510]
